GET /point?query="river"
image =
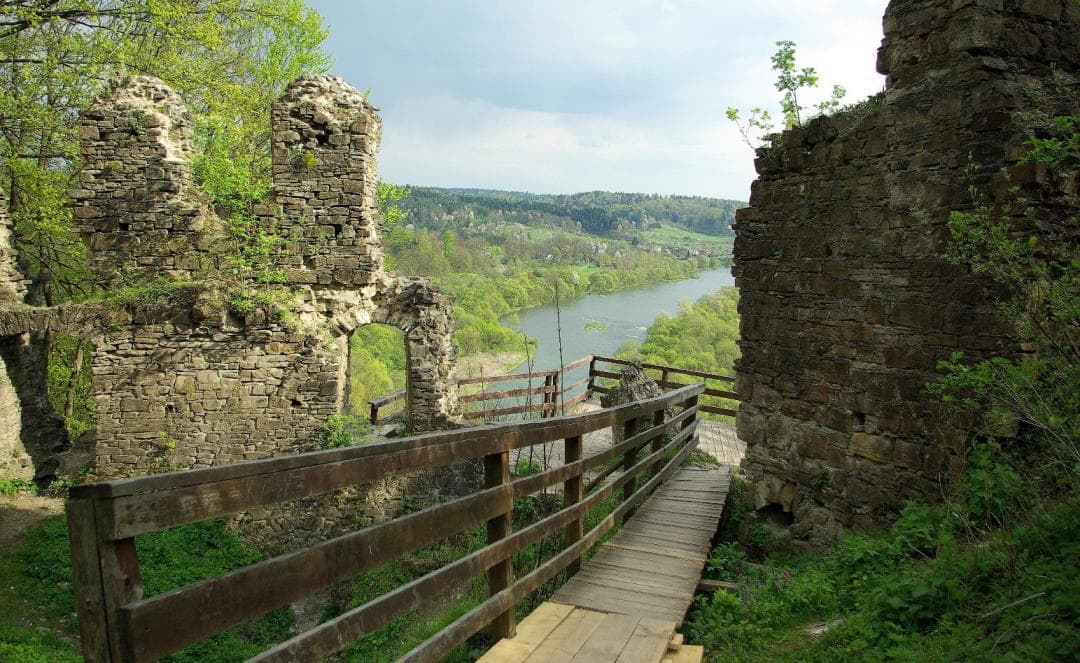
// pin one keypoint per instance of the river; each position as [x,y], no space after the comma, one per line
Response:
[599,324]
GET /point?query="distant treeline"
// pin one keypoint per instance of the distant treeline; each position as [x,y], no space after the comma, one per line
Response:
[595,212]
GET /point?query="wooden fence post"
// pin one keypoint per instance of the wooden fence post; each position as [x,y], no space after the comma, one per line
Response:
[592,377]
[693,441]
[500,576]
[86,580]
[658,441]
[374,413]
[105,577]
[630,429]
[555,411]
[573,492]
[547,397]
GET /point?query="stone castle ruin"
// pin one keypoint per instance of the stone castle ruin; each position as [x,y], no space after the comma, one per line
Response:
[846,302]
[189,379]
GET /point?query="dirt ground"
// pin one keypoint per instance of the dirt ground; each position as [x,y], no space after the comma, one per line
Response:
[21,512]
[499,363]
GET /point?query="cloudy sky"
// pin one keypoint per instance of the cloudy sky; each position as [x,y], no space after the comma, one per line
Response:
[560,96]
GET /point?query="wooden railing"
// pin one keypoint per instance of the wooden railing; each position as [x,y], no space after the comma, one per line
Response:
[555,390]
[118,623]
[553,393]
[663,376]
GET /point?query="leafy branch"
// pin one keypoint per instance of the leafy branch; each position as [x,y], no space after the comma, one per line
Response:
[790,80]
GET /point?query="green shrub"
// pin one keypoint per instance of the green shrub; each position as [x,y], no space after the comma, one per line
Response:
[11,487]
[344,430]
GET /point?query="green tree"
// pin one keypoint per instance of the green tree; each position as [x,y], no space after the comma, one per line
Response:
[790,80]
[1038,269]
[228,58]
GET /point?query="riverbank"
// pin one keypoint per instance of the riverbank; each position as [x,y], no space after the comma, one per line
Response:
[488,363]
[601,323]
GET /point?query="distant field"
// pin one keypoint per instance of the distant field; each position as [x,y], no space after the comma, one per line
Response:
[676,236]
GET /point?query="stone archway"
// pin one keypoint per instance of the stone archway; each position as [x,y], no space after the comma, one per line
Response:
[425,315]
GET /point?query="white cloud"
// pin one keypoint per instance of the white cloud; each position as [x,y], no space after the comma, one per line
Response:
[568,96]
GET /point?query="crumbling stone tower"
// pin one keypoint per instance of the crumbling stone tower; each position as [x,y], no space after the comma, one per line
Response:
[136,204]
[846,302]
[15,462]
[324,145]
[186,382]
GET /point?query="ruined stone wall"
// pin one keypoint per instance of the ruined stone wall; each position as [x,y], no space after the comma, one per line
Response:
[18,442]
[203,383]
[180,396]
[136,204]
[846,304]
[14,461]
[324,144]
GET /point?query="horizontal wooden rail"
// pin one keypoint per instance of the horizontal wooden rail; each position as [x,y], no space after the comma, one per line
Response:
[118,624]
[555,395]
[484,379]
[722,407]
[670,369]
[509,393]
[551,377]
[388,399]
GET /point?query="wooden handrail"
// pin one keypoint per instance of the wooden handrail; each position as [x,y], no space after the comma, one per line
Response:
[671,369]
[551,389]
[714,407]
[555,393]
[118,624]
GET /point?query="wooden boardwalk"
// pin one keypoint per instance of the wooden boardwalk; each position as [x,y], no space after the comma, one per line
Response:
[629,599]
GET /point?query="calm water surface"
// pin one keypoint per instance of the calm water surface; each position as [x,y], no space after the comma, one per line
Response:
[599,324]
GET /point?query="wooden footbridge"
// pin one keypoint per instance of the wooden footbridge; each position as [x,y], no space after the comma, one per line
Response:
[624,600]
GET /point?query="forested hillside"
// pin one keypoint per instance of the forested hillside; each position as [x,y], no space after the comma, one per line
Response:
[595,212]
[703,335]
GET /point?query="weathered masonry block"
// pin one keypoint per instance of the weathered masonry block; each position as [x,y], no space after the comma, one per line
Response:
[324,145]
[202,385]
[846,302]
[15,462]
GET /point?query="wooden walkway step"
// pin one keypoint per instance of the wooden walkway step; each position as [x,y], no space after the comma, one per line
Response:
[651,568]
[628,600]
[560,632]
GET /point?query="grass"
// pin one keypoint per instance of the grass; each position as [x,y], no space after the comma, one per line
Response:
[36,581]
[930,588]
[668,235]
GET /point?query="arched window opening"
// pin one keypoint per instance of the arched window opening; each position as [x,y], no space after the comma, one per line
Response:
[377,373]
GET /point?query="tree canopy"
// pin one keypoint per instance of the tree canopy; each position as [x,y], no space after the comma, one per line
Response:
[227,58]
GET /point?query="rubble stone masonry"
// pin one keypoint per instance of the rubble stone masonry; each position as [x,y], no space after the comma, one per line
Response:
[846,302]
[189,381]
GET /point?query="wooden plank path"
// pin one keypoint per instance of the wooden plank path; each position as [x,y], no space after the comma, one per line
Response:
[627,601]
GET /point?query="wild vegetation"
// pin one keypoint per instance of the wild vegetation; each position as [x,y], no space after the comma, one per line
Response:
[702,336]
[791,81]
[228,59]
[596,212]
[37,610]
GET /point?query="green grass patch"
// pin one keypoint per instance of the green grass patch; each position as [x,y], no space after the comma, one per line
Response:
[39,576]
[924,590]
[669,235]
